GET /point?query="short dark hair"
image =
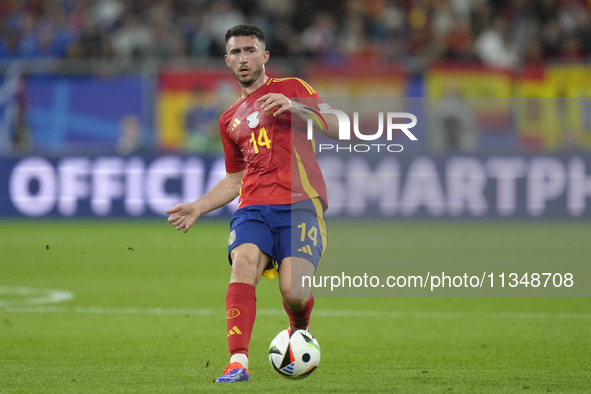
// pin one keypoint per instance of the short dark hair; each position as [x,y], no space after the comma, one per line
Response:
[245,31]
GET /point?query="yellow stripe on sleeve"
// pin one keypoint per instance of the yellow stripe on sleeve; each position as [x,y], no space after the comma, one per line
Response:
[310,88]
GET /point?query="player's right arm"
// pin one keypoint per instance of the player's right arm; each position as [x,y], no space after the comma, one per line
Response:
[185,214]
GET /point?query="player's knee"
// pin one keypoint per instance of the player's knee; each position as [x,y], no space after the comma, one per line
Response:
[244,269]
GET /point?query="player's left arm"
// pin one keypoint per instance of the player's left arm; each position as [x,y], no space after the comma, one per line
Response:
[272,100]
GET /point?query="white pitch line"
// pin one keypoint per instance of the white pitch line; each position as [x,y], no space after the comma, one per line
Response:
[96,310]
[34,296]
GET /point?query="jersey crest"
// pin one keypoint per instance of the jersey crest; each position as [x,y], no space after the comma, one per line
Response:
[253,120]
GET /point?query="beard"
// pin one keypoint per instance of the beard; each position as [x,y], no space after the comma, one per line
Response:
[249,80]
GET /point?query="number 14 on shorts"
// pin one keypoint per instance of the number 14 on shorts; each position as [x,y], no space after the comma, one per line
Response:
[312,233]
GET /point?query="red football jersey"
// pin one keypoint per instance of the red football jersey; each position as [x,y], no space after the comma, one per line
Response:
[261,143]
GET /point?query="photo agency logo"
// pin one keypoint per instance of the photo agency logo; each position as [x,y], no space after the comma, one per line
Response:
[345,130]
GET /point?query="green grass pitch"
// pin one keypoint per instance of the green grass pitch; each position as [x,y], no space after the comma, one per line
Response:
[148,316]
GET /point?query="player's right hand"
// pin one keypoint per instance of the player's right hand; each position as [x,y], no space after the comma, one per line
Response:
[183,216]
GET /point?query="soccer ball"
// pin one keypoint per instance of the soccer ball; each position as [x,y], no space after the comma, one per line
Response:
[294,354]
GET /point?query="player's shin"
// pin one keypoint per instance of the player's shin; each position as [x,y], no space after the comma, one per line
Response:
[300,318]
[240,313]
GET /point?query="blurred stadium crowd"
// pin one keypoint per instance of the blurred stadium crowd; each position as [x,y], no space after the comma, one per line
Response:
[502,33]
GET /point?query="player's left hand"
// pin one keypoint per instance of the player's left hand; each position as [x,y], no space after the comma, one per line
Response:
[272,100]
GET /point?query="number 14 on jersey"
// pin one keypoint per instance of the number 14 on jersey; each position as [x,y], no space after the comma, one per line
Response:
[262,140]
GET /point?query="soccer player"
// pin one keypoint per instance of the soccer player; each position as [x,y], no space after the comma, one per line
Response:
[279,226]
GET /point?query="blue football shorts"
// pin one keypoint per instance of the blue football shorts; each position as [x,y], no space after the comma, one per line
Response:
[281,231]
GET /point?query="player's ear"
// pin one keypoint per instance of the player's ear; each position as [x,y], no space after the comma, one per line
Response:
[226,59]
[266,56]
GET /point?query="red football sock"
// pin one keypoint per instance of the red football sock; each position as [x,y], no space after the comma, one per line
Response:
[300,319]
[241,309]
